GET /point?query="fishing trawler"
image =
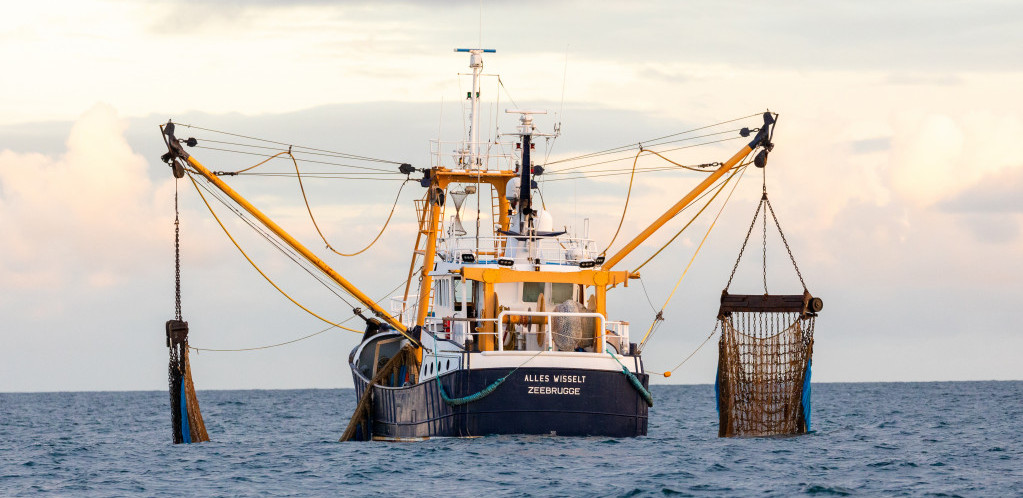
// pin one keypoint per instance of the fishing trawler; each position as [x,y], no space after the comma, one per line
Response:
[503,329]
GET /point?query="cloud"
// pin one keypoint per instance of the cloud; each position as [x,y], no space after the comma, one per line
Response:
[82,218]
[1000,192]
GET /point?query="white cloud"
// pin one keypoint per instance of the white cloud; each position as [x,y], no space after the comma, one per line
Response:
[86,217]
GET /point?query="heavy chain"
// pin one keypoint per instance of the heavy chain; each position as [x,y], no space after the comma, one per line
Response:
[177,256]
[765,246]
[763,198]
[744,242]
[787,248]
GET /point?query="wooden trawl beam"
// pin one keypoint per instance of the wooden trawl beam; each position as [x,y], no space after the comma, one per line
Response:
[779,303]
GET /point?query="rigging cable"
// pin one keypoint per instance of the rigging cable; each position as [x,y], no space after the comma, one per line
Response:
[563,170]
[628,194]
[288,252]
[339,154]
[298,175]
[293,340]
[367,168]
[285,294]
[717,191]
[690,264]
[645,144]
[622,148]
[698,348]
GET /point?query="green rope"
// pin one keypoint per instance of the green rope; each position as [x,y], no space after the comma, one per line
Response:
[635,382]
[477,396]
[470,398]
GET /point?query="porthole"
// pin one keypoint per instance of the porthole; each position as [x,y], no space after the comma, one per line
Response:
[448,365]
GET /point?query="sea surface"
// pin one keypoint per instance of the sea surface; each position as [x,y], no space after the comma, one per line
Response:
[906,439]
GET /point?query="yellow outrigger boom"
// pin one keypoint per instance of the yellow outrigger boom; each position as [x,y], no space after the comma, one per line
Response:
[177,152]
[762,138]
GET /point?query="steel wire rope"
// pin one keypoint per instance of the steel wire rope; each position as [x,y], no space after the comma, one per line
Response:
[367,168]
[628,193]
[281,149]
[330,285]
[641,145]
[350,156]
[283,248]
[693,258]
[717,191]
[563,170]
[256,348]
[619,173]
[309,209]
[287,251]
[631,145]
[254,265]
[325,176]
[624,170]
[506,92]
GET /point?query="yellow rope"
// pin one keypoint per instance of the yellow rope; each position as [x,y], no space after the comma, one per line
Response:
[683,362]
[693,219]
[658,154]
[628,193]
[695,253]
[285,294]
[261,163]
[298,174]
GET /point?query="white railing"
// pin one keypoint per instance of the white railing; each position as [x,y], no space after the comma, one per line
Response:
[405,308]
[549,250]
[550,324]
[452,151]
[614,332]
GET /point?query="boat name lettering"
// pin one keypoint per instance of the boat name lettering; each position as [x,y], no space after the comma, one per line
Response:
[565,379]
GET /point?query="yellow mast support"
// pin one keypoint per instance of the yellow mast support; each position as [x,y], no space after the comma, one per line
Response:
[435,199]
[286,237]
[441,178]
[761,136]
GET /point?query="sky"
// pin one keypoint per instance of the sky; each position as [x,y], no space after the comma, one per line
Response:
[895,174]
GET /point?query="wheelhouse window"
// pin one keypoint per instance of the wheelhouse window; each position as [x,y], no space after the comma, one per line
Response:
[531,291]
[463,290]
[442,293]
[562,292]
[554,293]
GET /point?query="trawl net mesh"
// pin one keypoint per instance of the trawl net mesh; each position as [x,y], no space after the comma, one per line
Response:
[763,380]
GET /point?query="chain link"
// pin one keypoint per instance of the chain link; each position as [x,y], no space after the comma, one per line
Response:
[787,248]
[744,242]
[763,198]
[177,256]
[765,247]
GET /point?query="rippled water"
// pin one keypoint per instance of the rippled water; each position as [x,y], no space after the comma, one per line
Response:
[943,439]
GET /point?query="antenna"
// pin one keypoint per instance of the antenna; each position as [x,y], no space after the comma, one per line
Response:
[564,79]
[476,64]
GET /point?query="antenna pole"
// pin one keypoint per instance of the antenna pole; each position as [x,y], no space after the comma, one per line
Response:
[476,64]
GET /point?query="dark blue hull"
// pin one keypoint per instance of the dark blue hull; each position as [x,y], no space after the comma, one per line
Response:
[558,401]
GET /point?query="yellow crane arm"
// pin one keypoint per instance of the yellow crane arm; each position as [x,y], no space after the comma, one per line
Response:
[178,152]
[761,138]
